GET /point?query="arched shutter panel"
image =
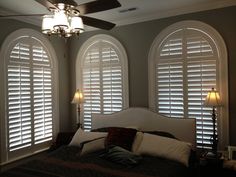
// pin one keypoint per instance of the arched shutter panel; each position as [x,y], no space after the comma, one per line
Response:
[111,81]
[201,77]
[19,97]
[169,80]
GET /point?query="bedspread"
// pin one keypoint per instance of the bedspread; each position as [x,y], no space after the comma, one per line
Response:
[66,162]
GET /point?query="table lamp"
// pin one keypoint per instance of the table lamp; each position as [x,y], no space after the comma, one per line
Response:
[213,100]
[78,100]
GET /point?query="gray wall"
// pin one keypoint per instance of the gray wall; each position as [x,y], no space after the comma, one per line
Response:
[137,39]
[59,44]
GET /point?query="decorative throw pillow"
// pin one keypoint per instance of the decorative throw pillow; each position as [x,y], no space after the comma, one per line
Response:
[122,137]
[122,156]
[139,137]
[137,141]
[82,136]
[165,147]
[92,146]
[63,138]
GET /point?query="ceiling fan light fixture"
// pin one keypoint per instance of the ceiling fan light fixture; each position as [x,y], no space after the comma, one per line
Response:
[62,23]
[68,18]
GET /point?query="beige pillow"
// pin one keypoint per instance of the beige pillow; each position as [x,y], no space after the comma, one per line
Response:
[137,141]
[165,147]
[82,136]
[92,146]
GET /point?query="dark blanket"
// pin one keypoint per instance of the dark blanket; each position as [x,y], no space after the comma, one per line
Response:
[66,162]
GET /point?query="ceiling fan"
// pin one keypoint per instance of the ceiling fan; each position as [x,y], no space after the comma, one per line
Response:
[67,17]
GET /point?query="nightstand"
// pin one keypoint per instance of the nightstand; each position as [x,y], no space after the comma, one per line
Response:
[210,166]
[229,168]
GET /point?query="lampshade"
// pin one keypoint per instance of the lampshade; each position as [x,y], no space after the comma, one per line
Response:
[78,97]
[60,20]
[213,98]
[47,24]
[76,24]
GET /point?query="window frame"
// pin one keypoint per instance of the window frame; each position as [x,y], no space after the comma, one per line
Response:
[122,57]
[223,112]
[5,158]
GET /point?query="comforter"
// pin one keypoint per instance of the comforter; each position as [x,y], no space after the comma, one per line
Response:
[66,162]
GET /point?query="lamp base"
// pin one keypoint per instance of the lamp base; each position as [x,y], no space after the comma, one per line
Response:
[79,125]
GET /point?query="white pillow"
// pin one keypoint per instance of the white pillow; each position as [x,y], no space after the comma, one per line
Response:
[92,146]
[165,147]
[82,136]
[137,141]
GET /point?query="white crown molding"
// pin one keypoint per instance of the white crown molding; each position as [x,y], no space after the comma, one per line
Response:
[179,11]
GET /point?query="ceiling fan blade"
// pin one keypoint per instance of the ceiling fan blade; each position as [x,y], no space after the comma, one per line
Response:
[21,15]
[68,2]
[97,6]
[47,4]
[97,23]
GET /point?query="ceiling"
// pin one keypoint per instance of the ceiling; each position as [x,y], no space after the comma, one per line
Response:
[145,9]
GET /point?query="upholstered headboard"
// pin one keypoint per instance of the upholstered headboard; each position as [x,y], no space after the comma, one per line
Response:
[144,119]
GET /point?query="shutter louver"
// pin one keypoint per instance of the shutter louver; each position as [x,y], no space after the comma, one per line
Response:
[173,49]
[20,53]
[198,47]
[40,57]
[185,72]
[102,82]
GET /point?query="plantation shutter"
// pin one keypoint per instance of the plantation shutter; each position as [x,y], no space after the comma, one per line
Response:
[102,81]
[29,81]
[201,76]
[42,95]
[185,72]
[169,72]
[19,98]
[111,81]
[91,86]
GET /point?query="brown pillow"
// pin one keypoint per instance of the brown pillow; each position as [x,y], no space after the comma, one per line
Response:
[63,138]
[161,133]
[103,129]
[122,137]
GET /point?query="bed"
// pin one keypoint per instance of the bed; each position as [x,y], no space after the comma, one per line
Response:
[90,160]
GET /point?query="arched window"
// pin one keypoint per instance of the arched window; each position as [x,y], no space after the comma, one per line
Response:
[30,71]
[186,60]
[102,75]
